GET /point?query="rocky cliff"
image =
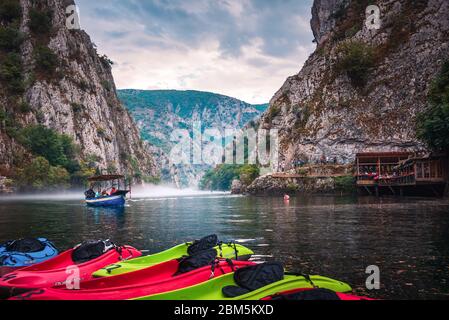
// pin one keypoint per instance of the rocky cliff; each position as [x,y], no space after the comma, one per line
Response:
[362,88]
[68,87]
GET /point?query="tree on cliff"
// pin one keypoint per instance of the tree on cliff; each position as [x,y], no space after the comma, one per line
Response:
[433,124]
[221,177]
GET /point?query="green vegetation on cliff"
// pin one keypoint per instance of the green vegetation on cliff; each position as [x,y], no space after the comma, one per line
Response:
[356,59]
[10,39]
[48,160]
[11,73]
[221,177]
[40,21]
[53,164]
[345,184]
[10,10]
[58,149]
[40,175]
[433,124]
[46,60]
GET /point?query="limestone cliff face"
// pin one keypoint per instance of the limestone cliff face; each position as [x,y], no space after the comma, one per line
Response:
[321,111]
[78,99]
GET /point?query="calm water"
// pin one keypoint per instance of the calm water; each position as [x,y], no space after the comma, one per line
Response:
[336,237]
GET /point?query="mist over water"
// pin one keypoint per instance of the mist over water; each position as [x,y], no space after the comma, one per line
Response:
[58,196]
[151,191]
[138,192]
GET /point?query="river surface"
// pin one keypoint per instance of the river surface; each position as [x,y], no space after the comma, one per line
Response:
[338,237]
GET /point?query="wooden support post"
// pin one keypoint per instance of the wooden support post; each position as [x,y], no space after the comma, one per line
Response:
[379,166]
[369,191]
[392,190]
[435,192]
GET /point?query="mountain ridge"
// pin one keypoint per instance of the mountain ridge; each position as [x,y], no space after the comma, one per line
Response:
[159,112]
[186,106]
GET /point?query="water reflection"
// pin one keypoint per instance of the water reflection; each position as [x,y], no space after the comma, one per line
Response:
[337,237]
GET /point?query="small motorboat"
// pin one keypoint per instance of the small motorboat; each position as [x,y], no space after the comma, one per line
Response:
[109,192]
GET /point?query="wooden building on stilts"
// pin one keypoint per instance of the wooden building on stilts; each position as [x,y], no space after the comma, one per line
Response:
[402,173]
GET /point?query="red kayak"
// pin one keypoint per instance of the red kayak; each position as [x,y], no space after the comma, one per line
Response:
[161,278]
[314,294]
[68,266]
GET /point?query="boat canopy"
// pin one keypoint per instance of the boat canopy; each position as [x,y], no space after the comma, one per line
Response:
[104,178]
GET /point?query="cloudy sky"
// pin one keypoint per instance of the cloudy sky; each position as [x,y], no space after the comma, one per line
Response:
[241,48]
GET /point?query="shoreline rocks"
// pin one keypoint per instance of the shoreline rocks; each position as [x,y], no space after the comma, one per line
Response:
[237,187]
[270,185]
[6,185]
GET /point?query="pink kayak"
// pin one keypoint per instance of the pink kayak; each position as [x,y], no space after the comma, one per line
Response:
[59,270]
[6,270]
[164,277]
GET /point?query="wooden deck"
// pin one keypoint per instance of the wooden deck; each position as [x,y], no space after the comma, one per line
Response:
[302,176]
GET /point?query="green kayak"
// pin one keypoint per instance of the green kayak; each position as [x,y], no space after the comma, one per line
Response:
[226,251]
[212,290]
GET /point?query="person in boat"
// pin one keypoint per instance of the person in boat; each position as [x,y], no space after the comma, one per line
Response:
[90,193]
[113,191]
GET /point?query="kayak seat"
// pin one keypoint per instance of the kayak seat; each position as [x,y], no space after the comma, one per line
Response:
[234,291]
[25,246]
[309,295]
[196,261]
[205,243]
[253,278]
[90,250]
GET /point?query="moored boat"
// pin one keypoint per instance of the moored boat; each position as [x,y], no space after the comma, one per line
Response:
[109,192]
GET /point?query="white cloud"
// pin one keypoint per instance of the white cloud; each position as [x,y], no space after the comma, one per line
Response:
[161,58]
